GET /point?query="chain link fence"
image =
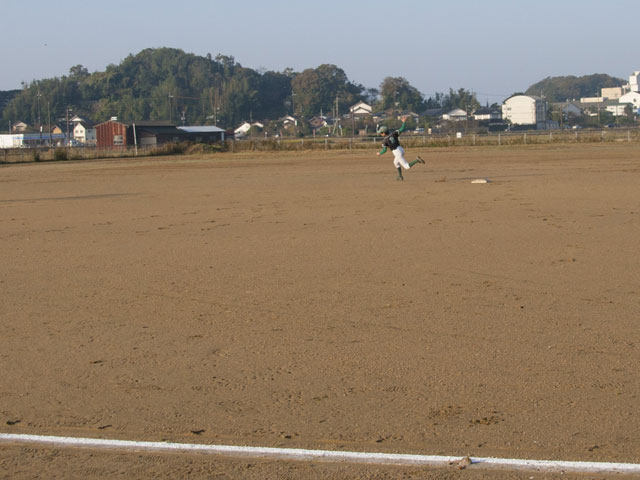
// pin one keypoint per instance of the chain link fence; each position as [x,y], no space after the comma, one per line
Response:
[612,135]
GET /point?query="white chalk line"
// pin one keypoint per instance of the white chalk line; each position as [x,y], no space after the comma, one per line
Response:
[325,455]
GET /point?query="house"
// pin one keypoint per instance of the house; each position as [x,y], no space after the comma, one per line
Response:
[361,108]
[571,109]
[288,121]
[19,127]
[204,134]
[111,134]
[455,115]
[487,114]
[633,97]
[434,112]
[409,114]
[318,122]
[243,129]
[84,133]
[526,110]
[617,109]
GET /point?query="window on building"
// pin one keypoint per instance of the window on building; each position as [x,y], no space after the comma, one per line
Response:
[118,140]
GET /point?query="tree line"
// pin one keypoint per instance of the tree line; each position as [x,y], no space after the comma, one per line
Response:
[169,84]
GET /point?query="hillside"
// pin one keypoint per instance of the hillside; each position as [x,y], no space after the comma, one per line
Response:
[559,89]
[169,84]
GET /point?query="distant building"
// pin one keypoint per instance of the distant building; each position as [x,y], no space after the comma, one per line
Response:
[487,114]
[570,108]
[18,127]
[318,122]
[84,133]
[616,109]
[433,112]
[612,93]
[526,110]
[22,140]
[203,134]
[632,97]
[592,99]
[149,134]
[455,115]
[634,82]
[244,129]
[361,108]
[111,134]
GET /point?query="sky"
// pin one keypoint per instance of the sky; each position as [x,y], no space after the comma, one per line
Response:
[494,47]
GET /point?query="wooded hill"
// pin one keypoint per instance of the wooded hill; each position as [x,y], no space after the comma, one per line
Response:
[169,84]
[560,89]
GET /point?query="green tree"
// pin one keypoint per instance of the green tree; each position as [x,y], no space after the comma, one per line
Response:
[560,89]
[398,93]
[317,89]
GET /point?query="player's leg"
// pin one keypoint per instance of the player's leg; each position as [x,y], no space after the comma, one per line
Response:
[417,160]
[397,165]
[398,155]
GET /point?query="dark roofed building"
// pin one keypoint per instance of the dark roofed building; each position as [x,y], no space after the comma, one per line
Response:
[154,133]
[487,114]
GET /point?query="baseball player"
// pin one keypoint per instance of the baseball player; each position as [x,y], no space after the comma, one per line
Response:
[391,141]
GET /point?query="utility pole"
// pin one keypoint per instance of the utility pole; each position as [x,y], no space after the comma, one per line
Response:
[49,121]
[39,116]
[170,107]
[68,138]
[353,123]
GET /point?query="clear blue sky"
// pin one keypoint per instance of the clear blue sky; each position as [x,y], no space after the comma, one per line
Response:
[492,47]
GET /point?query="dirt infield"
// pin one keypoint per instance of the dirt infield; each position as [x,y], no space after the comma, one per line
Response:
[310,300]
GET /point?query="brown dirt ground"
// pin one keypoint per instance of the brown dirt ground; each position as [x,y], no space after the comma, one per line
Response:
[309,300]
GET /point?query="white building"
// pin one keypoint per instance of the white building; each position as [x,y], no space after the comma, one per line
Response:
[632,97]
[634,81]
[599,99]
[525,110]
[617,109]
[84,134]
[455,115]
[243,129]
[361,108]
[11,141]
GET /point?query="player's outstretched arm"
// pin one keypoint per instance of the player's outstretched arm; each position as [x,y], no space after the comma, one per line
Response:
[403,126]
[383,151]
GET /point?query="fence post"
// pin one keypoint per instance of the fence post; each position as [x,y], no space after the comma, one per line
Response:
[302,144]
[499,140]
[628,136]
[350,141]
[474,139]
[576,135]
[326,143]
[525,138]
[424,140]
